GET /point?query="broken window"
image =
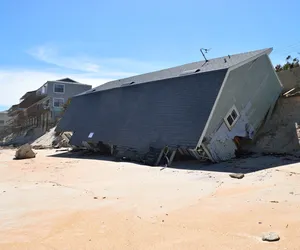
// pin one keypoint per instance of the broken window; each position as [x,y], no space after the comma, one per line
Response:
[231,117]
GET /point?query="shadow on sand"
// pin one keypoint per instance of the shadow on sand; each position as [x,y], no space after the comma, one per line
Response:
[240,165]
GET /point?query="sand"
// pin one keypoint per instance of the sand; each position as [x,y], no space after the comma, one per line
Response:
[60,202]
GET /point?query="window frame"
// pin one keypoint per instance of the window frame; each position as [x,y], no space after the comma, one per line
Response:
[55,84]
[58,98]
[229,114]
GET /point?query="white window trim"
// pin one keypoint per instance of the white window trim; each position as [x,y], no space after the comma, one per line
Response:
[55,98]
[229,113]
[59,84]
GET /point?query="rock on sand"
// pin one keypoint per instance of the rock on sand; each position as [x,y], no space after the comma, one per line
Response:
[271,237]
[25,152]
[237,176]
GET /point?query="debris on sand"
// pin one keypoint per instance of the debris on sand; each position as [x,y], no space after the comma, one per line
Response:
[237,176]
[270,237]
[25,152]
[52,139]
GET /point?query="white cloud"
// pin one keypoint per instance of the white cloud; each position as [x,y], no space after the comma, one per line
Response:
[50,55]
[15,83]
[105,66]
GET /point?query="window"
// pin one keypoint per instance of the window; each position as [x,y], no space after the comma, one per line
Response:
[232,117]
[59,88]
[58,102]
[1,122]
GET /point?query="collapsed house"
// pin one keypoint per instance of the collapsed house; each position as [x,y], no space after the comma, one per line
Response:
[199,109]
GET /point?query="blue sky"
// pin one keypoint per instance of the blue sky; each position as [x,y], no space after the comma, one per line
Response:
[94,41]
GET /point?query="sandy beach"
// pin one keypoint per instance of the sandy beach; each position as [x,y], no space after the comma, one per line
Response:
[63,201]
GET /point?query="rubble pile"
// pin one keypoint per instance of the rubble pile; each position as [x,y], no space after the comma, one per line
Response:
[52,139]
[21,138]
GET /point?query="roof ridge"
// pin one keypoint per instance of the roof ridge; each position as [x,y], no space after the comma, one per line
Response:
[78,83]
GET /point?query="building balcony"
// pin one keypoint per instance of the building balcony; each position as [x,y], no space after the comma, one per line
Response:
[30,98]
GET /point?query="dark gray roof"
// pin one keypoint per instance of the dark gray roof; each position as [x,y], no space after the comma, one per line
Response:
[220,63]
[67,80]
[27,94]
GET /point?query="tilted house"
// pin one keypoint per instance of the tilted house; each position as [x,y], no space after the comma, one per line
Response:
[199,108]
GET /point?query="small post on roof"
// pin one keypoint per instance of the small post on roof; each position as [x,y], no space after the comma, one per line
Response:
[204,51]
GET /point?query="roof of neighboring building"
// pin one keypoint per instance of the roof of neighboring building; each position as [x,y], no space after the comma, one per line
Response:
[14,106]
[27,94]
[68,81]
[215,64]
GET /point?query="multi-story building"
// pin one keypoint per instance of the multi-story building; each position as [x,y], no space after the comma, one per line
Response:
[44,106]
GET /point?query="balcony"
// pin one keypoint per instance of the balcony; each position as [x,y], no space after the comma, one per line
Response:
[14,110]
[30,98]
[38,107]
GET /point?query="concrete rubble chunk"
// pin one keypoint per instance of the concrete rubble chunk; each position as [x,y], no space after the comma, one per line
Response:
[62,140]
[237,175]
[271,237]
[25,152]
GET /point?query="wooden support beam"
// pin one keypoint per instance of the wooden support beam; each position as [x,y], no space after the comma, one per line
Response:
[172,157]
[159,157]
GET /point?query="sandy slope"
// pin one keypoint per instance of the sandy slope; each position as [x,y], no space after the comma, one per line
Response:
[71,203]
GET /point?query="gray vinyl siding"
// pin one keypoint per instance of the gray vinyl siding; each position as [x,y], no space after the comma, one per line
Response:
[71,90]
[252,88]
[169,112]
